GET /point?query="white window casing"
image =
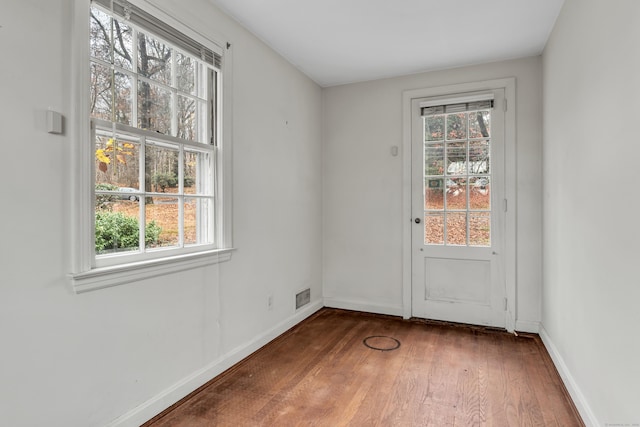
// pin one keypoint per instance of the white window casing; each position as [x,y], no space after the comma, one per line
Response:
[90,271]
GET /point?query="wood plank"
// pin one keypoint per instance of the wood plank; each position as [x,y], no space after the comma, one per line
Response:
[320,373]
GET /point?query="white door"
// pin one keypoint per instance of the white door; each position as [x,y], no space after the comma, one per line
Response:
[458,207]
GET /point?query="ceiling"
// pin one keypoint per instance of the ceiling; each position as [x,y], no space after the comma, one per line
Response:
[345,41]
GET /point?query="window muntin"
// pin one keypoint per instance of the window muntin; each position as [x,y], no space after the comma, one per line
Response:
[153,109]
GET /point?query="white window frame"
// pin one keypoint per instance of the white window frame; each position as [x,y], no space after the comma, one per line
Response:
[86,273]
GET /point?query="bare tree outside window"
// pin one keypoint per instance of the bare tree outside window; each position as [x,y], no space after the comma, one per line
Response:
[143,82]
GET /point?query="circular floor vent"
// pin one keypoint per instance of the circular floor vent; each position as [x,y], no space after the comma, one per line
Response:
[381,343]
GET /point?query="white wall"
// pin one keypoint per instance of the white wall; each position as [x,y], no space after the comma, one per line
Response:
[362,209]
[84,360]
[591,234]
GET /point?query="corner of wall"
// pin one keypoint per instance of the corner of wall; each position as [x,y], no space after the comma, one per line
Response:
[365,306]
[570,383]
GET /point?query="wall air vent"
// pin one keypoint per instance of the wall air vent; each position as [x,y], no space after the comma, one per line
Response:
[303,298]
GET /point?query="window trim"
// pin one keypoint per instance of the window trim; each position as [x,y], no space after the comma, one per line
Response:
[105,277]
[84,275]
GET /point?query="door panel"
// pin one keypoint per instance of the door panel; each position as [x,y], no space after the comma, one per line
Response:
[457,280]
[458,223]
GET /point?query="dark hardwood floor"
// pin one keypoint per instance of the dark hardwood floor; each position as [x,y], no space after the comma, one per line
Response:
[321,373]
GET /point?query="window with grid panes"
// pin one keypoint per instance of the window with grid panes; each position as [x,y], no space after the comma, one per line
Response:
[457,174]
[154,111]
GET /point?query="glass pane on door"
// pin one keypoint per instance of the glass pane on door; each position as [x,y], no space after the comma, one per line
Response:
[457,178]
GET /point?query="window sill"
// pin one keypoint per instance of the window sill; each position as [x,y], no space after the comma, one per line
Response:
[105,277]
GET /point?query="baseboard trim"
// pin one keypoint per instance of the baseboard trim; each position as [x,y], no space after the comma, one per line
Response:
[367,307]
[528,326]
[173,394]
[579,400]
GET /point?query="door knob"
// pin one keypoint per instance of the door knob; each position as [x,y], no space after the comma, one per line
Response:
[417,220]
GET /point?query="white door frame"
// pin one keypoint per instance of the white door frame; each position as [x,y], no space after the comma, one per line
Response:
[509,86]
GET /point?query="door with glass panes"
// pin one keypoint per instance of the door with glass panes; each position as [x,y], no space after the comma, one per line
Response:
[458,221]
